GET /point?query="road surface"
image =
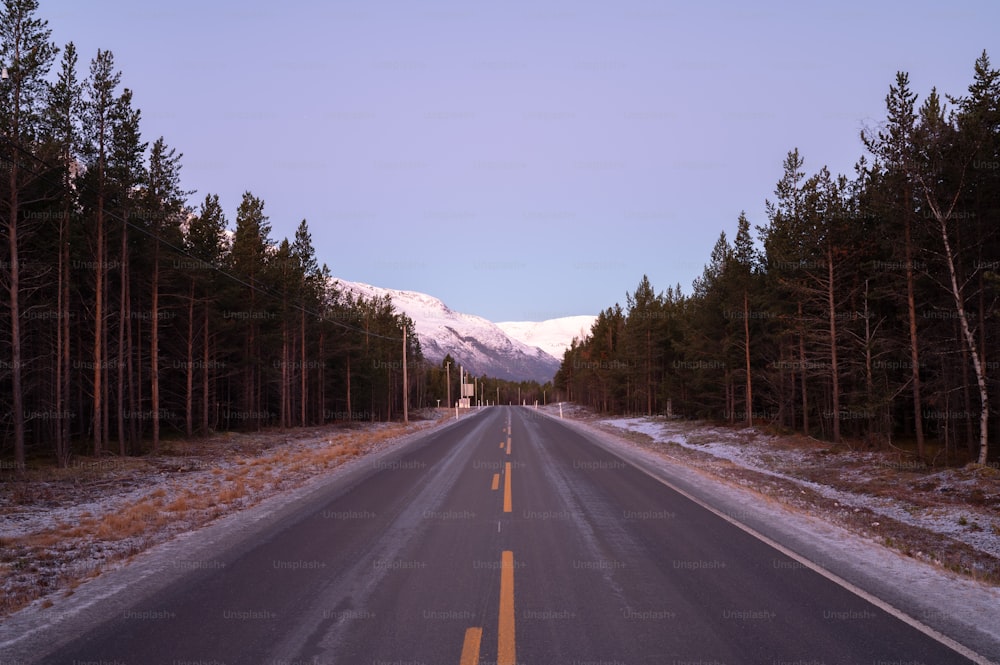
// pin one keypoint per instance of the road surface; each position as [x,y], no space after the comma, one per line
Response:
[504,538]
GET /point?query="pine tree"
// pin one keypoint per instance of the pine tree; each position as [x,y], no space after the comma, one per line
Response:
[286,280]
[127,171]
[784,261]
[205,242]
[63,117]
[249,259]
[644,313]
[27,55]
[743,263]
[99,111]
[310,295]
[710,334]
[893,149]
[164,209]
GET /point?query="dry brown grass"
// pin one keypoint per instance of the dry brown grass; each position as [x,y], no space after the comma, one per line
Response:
[238,470]
[132,522]
[235,491]
[44,539]
[180,504]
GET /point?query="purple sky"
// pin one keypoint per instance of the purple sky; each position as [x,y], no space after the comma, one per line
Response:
[518,160]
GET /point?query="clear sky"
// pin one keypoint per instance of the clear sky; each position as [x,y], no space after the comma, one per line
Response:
[520,160]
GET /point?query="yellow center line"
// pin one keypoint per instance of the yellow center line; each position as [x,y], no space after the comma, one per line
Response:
[470,648]
[506,489]
[496,481]
[501,444]
[508,445]
[505,633]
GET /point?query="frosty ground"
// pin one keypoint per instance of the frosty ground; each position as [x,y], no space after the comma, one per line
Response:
[948,516]
[61,527]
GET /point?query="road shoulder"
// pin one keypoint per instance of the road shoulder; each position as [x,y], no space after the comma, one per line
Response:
[59,617]
[955,606]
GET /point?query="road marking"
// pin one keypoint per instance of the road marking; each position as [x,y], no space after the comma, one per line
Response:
[496,481]
[506,489]
[505,632]
[833,577]
[508,445]
[501,444]
[470,648]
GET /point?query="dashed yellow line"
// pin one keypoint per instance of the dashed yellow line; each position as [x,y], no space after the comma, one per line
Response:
[506,653]
[508,445]
[470,648]
[501,444]
[496,481]
[506,489]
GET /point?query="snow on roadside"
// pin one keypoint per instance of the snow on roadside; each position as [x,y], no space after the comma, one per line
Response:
[975,526]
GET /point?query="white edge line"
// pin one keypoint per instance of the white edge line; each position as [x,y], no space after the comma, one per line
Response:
[833,577]
[958,647]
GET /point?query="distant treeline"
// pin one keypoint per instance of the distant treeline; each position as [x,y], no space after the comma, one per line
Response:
[126,315]
[866,310]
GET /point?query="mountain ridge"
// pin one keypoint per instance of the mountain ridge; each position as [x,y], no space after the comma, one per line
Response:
[552,335]
[481,346]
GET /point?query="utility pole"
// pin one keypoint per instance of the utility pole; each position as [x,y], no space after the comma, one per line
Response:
[406,395]
[447,368]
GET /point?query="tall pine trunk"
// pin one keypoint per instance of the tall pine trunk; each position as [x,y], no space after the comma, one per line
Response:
[834,367]
[803,375]
[302,368]
[154,347]
[911,308]
[869,375]
[123,315]
[99,312]
[133,382]
[321,382]
[284,373]
[189,374]
[746,346]
[206,358]
[63,345]
[649,373]
[17,394]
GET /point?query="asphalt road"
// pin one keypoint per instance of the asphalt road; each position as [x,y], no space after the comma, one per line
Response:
[506,537]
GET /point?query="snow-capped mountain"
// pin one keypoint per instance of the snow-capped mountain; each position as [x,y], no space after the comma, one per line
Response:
[553,336]
[479,345]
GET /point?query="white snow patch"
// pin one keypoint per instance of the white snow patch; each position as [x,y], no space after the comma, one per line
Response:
[553,336]
[971,525]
